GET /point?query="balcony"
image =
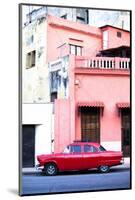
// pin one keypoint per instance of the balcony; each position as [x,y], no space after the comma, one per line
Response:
[102,62]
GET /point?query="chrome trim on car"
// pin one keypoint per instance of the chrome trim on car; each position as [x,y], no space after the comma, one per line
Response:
[38,167]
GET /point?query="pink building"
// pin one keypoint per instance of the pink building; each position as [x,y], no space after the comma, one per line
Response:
[97,104]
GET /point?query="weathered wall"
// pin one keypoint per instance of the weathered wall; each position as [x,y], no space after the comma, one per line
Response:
[35,80]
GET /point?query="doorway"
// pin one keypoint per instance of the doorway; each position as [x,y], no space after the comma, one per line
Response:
[125,118]
[28,147]
[90,124]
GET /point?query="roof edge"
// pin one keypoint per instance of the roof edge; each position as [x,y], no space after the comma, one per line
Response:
[107,25]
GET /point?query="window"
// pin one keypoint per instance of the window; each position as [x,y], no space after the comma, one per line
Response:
[72,49]
[75,50]
[89,148]
[30,40]
[80,19]
[87,16]
[119,34]
[66,150]
[102,148]
[82,15]
[64,16]
[105,39]
[55,80]
[30,59]
[75,149]
[79,50]
[53,96]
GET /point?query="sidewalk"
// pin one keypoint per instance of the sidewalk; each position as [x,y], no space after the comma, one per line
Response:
[33,170]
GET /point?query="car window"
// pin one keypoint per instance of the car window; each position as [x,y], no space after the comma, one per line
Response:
[90,148]
[101,148]
[66,150]
[75,149]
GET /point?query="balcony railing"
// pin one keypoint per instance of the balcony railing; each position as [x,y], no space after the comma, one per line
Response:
[103,62]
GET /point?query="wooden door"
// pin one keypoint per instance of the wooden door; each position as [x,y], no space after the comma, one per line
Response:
[125,118]
[90,124]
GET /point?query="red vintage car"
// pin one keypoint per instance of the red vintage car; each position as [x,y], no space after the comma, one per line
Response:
[80,156]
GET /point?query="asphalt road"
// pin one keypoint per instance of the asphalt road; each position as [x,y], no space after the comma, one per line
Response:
[76,181]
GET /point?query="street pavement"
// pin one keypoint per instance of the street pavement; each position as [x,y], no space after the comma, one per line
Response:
[37,183]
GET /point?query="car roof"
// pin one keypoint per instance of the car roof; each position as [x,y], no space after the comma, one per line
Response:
[86,143]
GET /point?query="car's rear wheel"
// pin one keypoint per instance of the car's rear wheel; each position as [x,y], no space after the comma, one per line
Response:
[104,169]
[50,169]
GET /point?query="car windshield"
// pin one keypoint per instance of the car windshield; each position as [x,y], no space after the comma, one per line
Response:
[66,150]
[101,148]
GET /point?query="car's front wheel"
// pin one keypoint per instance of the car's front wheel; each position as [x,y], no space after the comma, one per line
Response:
[104,169]
[50,169]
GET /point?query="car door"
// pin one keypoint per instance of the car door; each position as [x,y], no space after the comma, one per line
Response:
[90,157]
[73,159]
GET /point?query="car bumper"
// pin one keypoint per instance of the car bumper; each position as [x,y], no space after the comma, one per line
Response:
[122,161]
[39,167]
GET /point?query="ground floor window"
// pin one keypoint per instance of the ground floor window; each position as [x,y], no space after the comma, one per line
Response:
[125,130]
[90,124]
[28,146]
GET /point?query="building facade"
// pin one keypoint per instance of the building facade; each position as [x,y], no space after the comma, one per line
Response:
[97,107]
[35,69]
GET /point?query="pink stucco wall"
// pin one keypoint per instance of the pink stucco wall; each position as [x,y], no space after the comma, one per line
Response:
[66,32]
[107,86]
[62,124]
[61,33]
[109,89]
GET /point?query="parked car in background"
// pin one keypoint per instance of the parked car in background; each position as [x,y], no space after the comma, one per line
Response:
[80,156]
